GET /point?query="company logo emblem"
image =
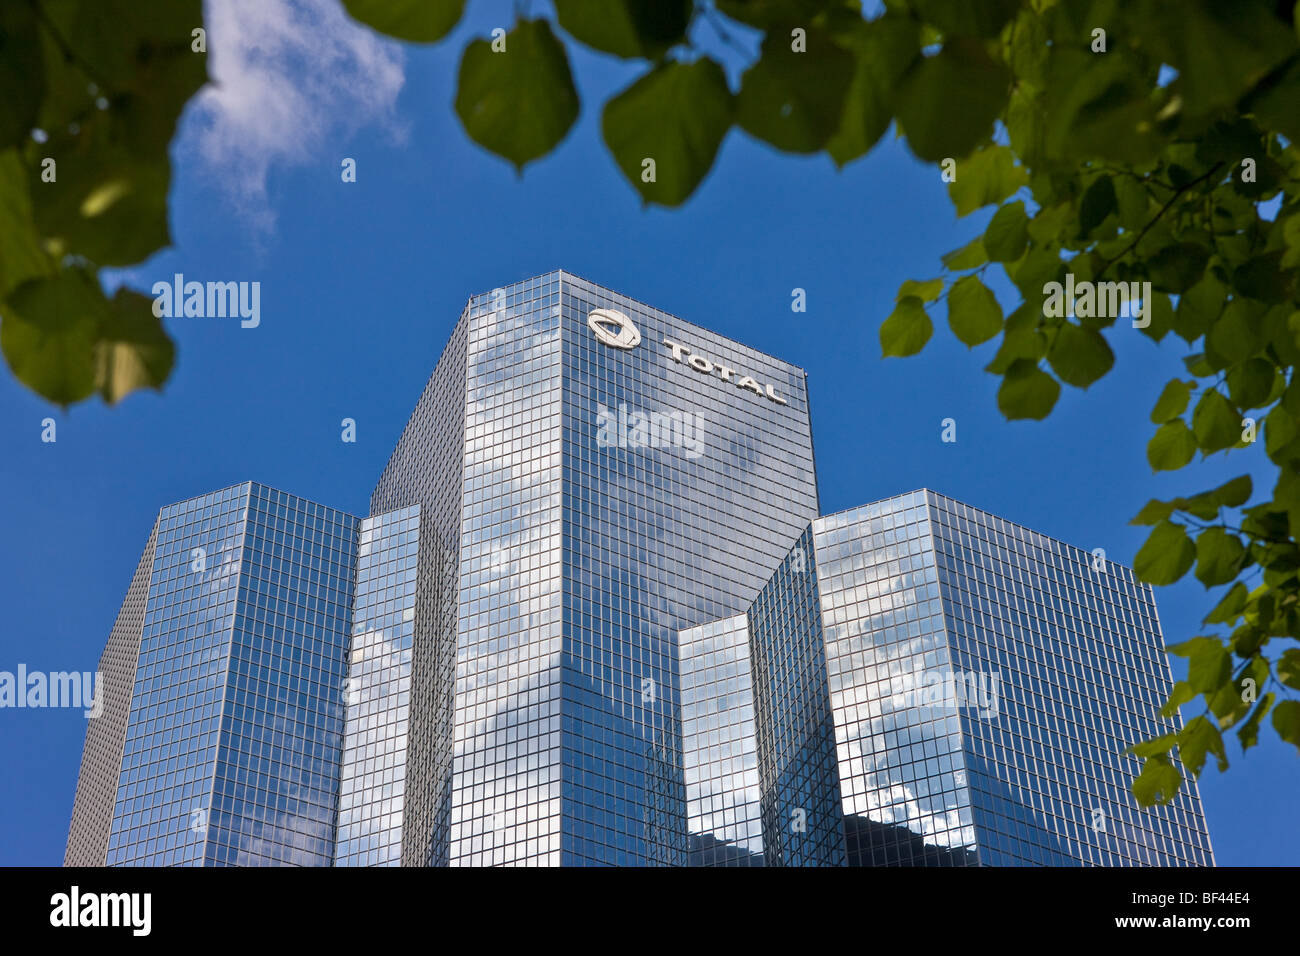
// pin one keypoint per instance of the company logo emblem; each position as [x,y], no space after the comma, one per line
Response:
[614,328]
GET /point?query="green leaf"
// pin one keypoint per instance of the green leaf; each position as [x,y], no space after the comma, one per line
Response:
[1232,494]
[884,49]
[1288,668]
[22,73]
[1230,608]
[973,312]
[1291,238]
[795,101]
[133,351]
[1262,278]
[1247,639]
[1215,423]
[49,333]
[1172,402]
[1209,663]
[1155,747]
[1205,506]
[1274,103]
[1021,339]
[65,340]
[1181,694]
[987,176]
[1007,233]
[969,256]
[1031,275]
[1132,202]
[1228,142]
[770,13]
[1158,782]
[1219,556]
[1251,383]
[1178,267]
[1195,740]
[1098,106]
[1248,733]
[1025,123]
[417,21]
[21,255]
[112,211]
[1220,50]
[1279,432]
[927,290]
[676,115]
[979,18]
[1232,700]
[1051,224]
[1098,202]
[1166,556]
[138,56]
[907,329]
[1027,391]
[1079,355]
[110,113]
[949,101]
[1154,512]
[1286,721]
[1030,49]
[519,103]
[1199,308]
[626,28]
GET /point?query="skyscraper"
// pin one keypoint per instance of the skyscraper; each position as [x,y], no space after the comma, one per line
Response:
[984,681]
[101,758]
[230,651]
[592,475]
[593,618]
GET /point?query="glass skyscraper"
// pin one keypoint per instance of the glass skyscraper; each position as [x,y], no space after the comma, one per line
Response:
[575,456]
[984,682]
[594,619]
[232,660]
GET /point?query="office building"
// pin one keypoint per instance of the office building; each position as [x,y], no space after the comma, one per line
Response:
[984,682]
[230,650]
[592,617]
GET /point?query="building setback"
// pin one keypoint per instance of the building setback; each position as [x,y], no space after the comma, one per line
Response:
[593,618]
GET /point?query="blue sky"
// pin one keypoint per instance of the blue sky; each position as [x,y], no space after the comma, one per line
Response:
[362,282]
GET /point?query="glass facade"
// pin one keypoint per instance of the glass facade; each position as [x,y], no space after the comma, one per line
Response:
[589,470]
[425,470]
[232,747]
[101,759]
[594,619]
[984,681]
[898,733]
[1075,644]
[796,734]
[724,808]
[506,796]
[682,488]
[377,692]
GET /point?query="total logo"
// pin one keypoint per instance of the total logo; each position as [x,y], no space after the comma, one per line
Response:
[615,329]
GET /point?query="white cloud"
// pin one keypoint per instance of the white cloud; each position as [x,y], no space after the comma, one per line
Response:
[288,76]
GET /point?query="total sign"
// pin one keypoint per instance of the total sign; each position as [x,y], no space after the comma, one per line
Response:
[616,330]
